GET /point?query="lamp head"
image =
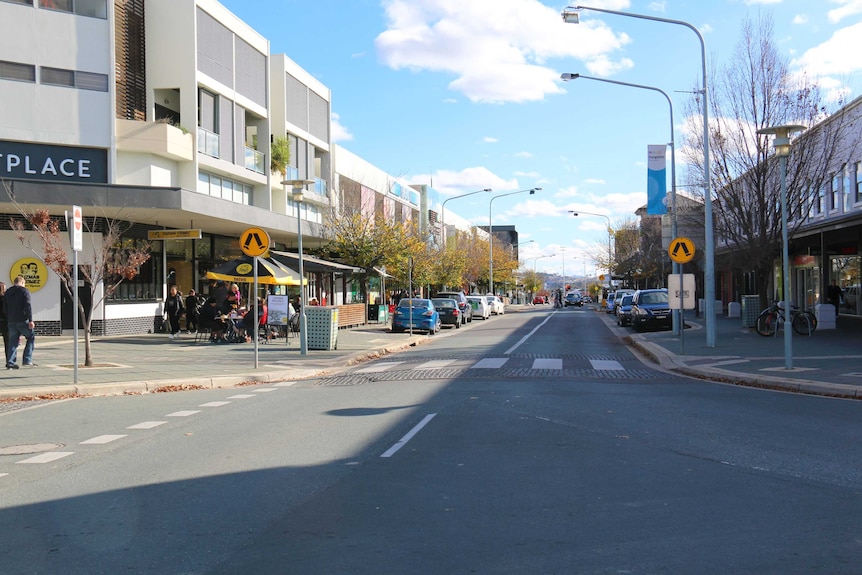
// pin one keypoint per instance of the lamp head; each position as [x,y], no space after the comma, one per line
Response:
[781,143]
[569,76]
[571,15]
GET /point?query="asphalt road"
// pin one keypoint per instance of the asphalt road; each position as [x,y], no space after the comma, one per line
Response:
[528,443]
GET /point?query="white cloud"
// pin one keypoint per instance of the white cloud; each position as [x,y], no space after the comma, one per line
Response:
[800,19]
[847,8]
[595,181]
[532,175]
[523,155]
[339,132]
[837,56]
[496,49]
[451,183]
[450,101]
[657,6]
[750,2]
[568,192]
[490,140]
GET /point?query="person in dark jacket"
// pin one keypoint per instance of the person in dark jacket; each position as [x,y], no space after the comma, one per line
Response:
[192,311]
[174,307]
[4,323]
[19,314]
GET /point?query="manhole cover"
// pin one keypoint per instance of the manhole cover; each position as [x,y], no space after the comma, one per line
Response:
[27,449]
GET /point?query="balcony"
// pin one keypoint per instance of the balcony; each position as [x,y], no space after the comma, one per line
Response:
[155,138]
[208,142]
[255,161]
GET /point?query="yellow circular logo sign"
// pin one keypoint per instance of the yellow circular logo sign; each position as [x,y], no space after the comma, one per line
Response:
[34,271]
[243,269]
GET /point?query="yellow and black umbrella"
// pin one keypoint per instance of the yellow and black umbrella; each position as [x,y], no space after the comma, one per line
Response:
[269,271]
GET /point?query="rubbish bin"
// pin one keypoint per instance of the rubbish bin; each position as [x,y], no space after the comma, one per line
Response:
[373,310]
[750,310]
[322,327]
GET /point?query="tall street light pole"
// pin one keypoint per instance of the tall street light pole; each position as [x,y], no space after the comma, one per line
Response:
[491,234]
[782,150]
[571,15]
[677,322]
[298,187]
[610,253]
[443,211]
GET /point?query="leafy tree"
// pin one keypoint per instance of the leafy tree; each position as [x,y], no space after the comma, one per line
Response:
[110,261]
[756,90]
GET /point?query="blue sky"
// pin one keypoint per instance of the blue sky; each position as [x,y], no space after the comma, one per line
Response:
[465,94]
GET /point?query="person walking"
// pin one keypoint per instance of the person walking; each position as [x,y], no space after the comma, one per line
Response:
[192,311]
[174,308]
[4,323]
[833,296]
[19,314]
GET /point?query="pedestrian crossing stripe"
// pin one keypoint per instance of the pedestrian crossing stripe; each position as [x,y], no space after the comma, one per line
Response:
[493,363]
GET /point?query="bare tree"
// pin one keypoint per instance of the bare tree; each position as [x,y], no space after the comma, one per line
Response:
[111,261]
[754,91]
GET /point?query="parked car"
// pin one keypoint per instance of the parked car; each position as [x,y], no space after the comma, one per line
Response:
[609,302]
[650,310]
[480,306]
[624,310]
[417,313]
[448,310]
[463,304]
[497,305]
[573,298]
[539,300]
[618,296]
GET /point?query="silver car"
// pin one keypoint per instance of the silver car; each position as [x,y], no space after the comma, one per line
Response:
[480,305]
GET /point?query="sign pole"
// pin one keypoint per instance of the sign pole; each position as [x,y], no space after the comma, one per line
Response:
[256,326]
[76,241]
[681,312]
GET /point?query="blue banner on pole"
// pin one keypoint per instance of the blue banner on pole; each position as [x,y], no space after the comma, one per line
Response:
[657,180]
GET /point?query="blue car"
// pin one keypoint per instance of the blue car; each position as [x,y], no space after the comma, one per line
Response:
[416,313]
[650,310]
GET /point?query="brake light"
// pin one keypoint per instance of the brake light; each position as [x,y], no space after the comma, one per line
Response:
[455,311]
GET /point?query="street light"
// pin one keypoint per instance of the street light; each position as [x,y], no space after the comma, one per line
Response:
[576,213]
[298,186]
[443,211]
[673,225]
[491,235]
[571,15]
[781,143]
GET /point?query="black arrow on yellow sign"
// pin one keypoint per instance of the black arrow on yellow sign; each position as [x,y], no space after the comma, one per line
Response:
[254,236]
[684,247]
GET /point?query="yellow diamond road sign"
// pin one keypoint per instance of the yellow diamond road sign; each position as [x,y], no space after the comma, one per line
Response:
[681,250]
[254,242]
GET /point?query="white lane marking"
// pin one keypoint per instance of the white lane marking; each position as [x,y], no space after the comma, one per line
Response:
[378,367]
[214,404]
[185,413]
[47,457]
[3,474]
[526,337]
[490,363]
[263,390]
[146,425]
[606,364]
[403,441]
[548,363]
[284,384]
[242,396]
[102,439]
[435,364]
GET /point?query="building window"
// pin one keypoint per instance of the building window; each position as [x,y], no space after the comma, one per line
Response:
[143,286]
[74,79]
[27,2]
[846,188]
[224,188]
[91,8]
[16,71]
[859,181]
[819,202]
[836,192]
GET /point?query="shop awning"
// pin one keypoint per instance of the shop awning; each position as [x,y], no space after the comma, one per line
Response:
[312,264]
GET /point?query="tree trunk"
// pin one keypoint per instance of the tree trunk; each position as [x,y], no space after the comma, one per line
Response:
[85,322]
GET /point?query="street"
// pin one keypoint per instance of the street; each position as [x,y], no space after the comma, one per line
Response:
[526,443]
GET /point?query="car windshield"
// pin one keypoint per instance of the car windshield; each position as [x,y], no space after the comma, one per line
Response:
[653,297]
[412,303]
[444,303]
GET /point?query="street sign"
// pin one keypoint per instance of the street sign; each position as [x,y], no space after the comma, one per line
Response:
[254,242]
[680,298]
[681,250]
[174,235]
[76,229]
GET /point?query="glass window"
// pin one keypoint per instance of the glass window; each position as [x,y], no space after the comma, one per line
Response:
[215,186]
[821,197]
[836,192]
[92,8]
[57,76]
[91,81]
[203,183]
[27,2]
[61,5]
[846,189]
[16,71]
[227,190]
[859,181]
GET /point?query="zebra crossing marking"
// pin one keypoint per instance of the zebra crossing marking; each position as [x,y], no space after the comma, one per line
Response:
[490,363]
[606,364]
[380,367]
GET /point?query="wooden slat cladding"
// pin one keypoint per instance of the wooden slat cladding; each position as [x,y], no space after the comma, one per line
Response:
[130,47]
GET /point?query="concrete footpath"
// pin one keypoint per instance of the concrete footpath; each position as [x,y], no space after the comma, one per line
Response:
[828,363]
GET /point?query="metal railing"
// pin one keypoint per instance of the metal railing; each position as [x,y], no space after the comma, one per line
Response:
[254,160]
[208,142]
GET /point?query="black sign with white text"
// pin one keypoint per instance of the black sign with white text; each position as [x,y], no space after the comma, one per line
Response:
[22,161]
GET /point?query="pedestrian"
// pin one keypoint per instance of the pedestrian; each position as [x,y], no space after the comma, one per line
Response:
[174,309]
[4,323]
[192,311]
[19,315]
[833,296]
[233,299]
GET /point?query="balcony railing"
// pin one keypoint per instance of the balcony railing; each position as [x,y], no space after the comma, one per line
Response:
[320,186]
[208,142]
[254,160]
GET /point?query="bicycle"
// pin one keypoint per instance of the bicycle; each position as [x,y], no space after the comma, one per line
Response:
[803,321]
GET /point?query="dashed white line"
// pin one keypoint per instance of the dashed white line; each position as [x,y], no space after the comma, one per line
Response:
[435,364]
[403,441]
[606,364]
[242,396]
[490,363]
[47,457]
[284,383]
[3,474]
[102,439]
[185,413]
[548,363]
[147,425]
[214,404]
[263,390]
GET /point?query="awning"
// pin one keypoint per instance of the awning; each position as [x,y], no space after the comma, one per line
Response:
[382,273]
[312,264]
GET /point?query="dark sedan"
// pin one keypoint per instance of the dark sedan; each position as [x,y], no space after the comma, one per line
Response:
[448,310]
[650,310]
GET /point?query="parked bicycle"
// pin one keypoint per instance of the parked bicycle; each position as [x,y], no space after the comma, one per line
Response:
[803,321]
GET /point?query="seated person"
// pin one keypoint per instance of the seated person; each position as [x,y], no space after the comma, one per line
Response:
[246,324]
[210,317]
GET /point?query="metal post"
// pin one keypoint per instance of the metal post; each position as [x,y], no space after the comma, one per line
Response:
[785,267]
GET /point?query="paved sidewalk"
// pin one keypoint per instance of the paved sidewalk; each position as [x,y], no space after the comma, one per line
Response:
[828,363]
